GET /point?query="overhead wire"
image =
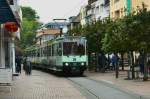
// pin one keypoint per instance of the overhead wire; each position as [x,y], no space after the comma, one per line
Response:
[81,2]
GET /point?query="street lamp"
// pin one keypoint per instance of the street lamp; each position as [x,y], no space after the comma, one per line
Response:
[61,27]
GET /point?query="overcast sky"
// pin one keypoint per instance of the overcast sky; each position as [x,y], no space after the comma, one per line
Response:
[50,9]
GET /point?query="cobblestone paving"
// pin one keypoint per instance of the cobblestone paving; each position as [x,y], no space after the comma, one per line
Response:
[40,86]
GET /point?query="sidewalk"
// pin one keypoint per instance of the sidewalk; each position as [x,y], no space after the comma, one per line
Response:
[40,85]
[135,86]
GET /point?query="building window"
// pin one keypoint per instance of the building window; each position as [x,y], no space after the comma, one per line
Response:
[115,1]
[101,8]
[106,2]
[97,10]
[117,14]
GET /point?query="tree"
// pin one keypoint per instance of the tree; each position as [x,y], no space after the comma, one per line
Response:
[29,26]
[143,38]
[29,13]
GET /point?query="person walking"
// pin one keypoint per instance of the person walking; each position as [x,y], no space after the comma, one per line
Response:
[28,67]
[102,62]
[141,63]
[25,65]
[18,64]
[114,61]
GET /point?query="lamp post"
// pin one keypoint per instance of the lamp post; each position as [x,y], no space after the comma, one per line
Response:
[60,27]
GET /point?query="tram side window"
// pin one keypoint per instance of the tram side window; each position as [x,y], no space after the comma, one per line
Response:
[44,51]
[41,52]
[31,53]
[59,49]
[38,53]
[49,50]
[34,53]
[44,54]
[53,50]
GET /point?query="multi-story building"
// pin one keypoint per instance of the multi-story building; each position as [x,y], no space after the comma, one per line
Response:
[49,31]
[83,14]
[94,11]
[10,17]
[74,22]
[120,8]
[101,10]
[138,4]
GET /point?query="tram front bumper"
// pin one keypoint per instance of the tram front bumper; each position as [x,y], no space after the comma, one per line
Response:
[74,67]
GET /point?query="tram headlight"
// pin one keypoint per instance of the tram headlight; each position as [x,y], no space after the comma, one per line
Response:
[66,64]
[82,64]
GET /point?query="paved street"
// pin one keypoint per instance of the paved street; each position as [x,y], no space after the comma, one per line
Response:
[40,86]
[137,86]
[103,90]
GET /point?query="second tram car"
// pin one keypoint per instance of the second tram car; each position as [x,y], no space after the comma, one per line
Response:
[65,54]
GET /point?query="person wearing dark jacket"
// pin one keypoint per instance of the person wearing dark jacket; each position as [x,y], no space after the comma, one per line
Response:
[18,64]
[27,66]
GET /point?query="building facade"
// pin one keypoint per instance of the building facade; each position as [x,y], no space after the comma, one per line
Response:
[49,31]
[94,11]
[120,8]
[10,15]
[74,22]
[83,14]
[138,4]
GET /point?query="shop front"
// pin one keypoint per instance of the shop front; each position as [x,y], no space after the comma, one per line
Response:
[9,31]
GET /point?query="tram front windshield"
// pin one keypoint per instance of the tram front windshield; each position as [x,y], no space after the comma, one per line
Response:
[73,48]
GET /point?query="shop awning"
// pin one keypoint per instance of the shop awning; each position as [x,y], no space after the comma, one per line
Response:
[6,14]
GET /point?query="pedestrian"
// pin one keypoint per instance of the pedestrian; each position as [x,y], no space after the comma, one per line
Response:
[141,63]
[114,61]
[100,61]
[18,64]
[108,62]
[28,67]
[25,65]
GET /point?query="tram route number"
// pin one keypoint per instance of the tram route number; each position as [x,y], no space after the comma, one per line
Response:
[74,59]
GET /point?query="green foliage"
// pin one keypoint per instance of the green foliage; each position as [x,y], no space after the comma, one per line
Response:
[93,34]
[131,33]
[29,27]
[29,13]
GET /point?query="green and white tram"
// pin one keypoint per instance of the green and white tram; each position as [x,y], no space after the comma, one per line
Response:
[64,54]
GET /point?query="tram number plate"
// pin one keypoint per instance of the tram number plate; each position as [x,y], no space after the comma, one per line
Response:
[74,59]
